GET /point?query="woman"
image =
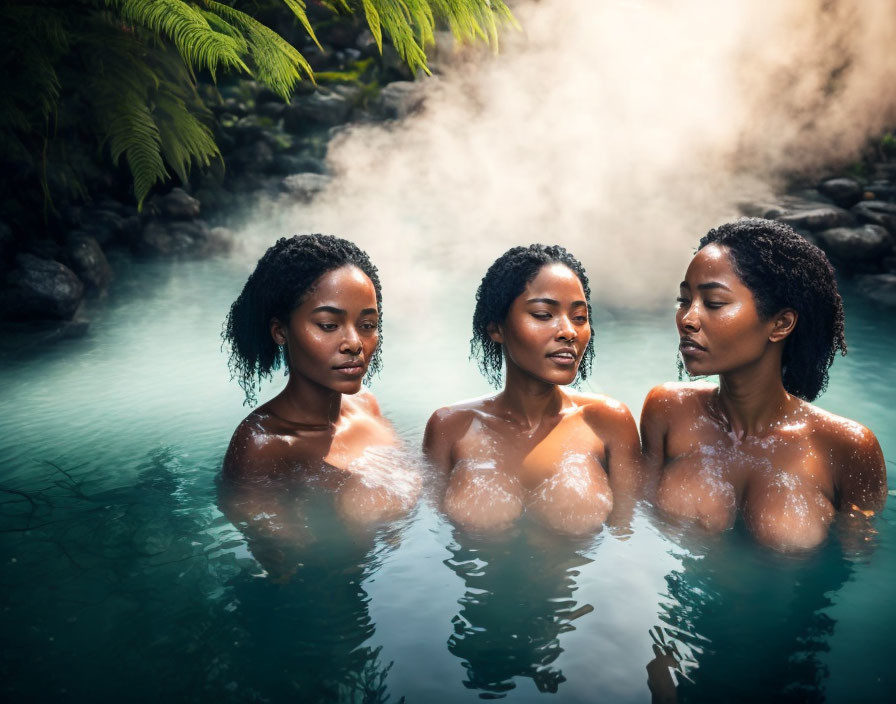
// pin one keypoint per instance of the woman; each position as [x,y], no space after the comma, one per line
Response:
[313,305]
[535,446]
[759,307]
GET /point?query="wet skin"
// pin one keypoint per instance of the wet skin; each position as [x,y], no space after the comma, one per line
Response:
[321,429]
[560,456]
[748,446]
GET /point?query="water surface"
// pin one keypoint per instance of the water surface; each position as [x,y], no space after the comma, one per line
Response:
[122,579]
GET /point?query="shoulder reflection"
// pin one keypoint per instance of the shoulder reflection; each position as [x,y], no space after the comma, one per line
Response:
[519,598]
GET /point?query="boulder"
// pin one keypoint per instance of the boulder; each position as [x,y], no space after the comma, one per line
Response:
[877,212]
[89,262]
[305,186]
[257,157]
[880,288]
[398,99]
[189,238]
[286,164]
[843,191]
[105,226]
[881,190]
[177,205]
[856,245]
[823,217]
[273,111]
[320,108]
[41,288]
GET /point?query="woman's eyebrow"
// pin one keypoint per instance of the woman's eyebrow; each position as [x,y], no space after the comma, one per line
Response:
[549,301]
[329,309]
[370,311]
[712,284]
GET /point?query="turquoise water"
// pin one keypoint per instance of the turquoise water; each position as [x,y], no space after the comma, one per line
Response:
[122,579]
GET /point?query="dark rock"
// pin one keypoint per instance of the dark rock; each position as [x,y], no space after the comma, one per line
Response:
[47,249]
[214,197]
[265,96]
[880,288]
[305,186]
[877,212]
[350,91]
[178,205]
[843,191]
[366,44]
[105,226]
[234,106]
[855,245]
[881,190]
[180,238]
[286,164]
[273,111]
[89,262]
[7,244]
[320,108]
[256,157]
[249,129]
[399,99]
[40,288]
[818,218]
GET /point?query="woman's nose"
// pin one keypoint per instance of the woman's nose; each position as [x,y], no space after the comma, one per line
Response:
[351,343]
[688,319]
[565,329]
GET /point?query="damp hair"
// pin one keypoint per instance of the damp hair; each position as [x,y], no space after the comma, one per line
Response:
[506,279]
[784,270]
[283,277]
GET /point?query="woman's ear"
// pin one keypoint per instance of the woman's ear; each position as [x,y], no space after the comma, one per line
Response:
[785,322]
[278,331]
[494,332]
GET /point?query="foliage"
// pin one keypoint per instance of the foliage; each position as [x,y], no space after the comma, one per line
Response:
[121,75]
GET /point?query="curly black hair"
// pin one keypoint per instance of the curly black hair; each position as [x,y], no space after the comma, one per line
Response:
[506,279]
[784,270]
[282,278]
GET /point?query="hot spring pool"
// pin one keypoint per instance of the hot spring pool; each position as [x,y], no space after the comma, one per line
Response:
[121,579]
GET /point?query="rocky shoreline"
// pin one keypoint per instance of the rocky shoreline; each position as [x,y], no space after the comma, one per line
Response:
[853,220]
[272,148]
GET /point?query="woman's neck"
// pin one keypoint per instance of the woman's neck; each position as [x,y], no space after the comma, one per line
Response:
[751,400]
[307,403]
[528,401]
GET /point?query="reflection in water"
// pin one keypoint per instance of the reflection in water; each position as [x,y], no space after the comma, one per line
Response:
[306,622]
[146,592]
[518,600]
[749,624]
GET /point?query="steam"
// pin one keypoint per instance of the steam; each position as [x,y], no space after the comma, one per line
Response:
[621,129]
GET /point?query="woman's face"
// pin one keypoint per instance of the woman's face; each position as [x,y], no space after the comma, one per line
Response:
[718,324]
[332,334]
[546,329]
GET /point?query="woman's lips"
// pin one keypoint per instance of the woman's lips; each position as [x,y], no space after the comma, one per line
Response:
[353,369]
[563,357]
[689,347]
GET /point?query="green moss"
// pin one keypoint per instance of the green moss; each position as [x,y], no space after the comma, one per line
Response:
[888,144]
[353,74]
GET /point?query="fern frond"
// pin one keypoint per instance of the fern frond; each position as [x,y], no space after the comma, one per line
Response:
[298,9]
[277,63]
[183,138]
[410,24]
[188,29]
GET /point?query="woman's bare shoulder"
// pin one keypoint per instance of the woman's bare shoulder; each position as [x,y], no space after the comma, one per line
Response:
[601,409]
[255,443]
[459,415]
[364,402]
[675,395]
[841,435]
